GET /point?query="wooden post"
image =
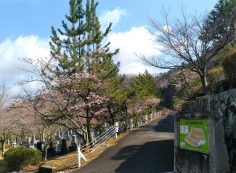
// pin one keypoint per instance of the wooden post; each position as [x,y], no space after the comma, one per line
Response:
[131,124]
[79,156]
[116,128]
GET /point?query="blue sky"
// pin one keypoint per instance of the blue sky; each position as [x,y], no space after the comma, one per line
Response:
[35,17]
[26,27]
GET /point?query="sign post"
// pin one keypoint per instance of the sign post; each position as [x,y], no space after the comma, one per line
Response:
[194,135]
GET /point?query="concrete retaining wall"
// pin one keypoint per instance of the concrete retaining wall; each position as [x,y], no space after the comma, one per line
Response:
[220,110]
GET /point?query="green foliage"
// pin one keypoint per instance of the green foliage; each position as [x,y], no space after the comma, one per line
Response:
[144,85]
[123,94]
[17,158]
[215,75]
[220,22]
[77,48]
[177,103]
[78,45]
[190,89]
[137,96]
[229,64]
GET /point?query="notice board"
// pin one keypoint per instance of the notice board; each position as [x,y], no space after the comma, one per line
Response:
[194,135]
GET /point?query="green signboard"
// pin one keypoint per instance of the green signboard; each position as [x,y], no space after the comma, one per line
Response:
[194,135]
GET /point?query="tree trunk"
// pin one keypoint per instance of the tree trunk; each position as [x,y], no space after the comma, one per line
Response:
[126,117]
[3,147]
[90,138]
[112,116]
[45,152]
[203,78]
[88,129]
[83,137]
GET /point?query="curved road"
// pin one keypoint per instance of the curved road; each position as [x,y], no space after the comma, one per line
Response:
[147,149]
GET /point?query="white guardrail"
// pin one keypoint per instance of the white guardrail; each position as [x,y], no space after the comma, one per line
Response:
[109,133]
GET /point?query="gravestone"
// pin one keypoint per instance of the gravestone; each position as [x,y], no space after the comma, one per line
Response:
[28,142]
[64,146]
[57,145]
[51,149]
[33,141]
[74,140]
[39,146]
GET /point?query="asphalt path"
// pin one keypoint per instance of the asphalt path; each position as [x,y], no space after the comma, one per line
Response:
[147,149]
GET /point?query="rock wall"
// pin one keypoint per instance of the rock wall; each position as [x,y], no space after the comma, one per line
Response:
[220,109]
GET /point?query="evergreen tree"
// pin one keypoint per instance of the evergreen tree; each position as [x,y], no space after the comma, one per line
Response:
[80,72]
[219,24]
[78,47]
[144,85]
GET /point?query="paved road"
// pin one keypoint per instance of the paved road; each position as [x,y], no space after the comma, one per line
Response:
[148,149]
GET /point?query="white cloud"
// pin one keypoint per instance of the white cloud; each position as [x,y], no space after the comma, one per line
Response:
[12,50]
[112,16]
[136,41]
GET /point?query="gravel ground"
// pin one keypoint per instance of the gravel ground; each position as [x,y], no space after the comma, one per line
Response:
[147,149]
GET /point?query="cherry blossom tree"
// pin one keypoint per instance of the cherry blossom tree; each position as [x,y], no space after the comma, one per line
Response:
[77,77]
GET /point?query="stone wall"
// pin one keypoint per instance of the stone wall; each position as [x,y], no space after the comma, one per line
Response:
[220,110]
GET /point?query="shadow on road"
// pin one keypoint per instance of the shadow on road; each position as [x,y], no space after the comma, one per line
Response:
[164,125]
[152,157]
[147,149]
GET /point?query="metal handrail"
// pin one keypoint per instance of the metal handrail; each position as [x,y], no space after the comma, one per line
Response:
[99,138]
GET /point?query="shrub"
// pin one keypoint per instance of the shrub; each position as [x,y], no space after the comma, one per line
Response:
[190,89]
[229,64]
[215,75]
[17,158]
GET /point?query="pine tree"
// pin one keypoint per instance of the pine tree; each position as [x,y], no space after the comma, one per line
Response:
[144,85]
[82,66]
[219,24]
[78,47]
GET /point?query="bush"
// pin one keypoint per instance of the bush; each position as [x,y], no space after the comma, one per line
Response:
[17,158]
[190,89]
[215,75]
[229,64]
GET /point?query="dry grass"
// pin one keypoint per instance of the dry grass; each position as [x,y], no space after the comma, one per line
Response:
[64,162]
[1,155]
[69,161]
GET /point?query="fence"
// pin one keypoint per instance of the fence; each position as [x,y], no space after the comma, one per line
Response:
[85,150]
[138,121]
